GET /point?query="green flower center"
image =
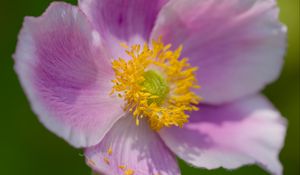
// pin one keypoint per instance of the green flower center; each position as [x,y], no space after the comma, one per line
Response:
[156,85]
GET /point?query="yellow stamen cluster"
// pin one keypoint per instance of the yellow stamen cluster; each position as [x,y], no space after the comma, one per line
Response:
[167,108]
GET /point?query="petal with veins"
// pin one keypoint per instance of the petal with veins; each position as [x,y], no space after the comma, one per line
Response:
[238,45]
[247,131]
[132,148]
[66,75]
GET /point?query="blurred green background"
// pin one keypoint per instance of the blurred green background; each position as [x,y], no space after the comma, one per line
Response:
[27,148]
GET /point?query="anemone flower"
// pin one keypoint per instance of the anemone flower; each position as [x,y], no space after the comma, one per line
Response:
[138,82]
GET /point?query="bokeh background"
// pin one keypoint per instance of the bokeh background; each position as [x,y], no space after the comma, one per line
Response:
[27,148]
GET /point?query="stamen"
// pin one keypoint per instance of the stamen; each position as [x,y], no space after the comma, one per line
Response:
[122,167]
[156,84]
[90,162]
[106,160]
[129,172]
[109,151]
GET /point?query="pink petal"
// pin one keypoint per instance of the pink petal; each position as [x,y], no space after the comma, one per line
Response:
[135,147]
[123,19]
[238,45]
[66,75]
[244,132]
[117,21]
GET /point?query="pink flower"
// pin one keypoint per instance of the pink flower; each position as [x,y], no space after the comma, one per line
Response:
[134,114]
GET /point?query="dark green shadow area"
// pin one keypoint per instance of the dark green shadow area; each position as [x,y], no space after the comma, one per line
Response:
[27,148]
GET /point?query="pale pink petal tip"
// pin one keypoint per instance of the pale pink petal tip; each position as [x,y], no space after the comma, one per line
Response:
[248,131]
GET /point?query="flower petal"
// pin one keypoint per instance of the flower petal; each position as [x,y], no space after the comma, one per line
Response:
[238,45]
[122,21]
[244,132]
[131,147]
[66,75]
[122,18]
